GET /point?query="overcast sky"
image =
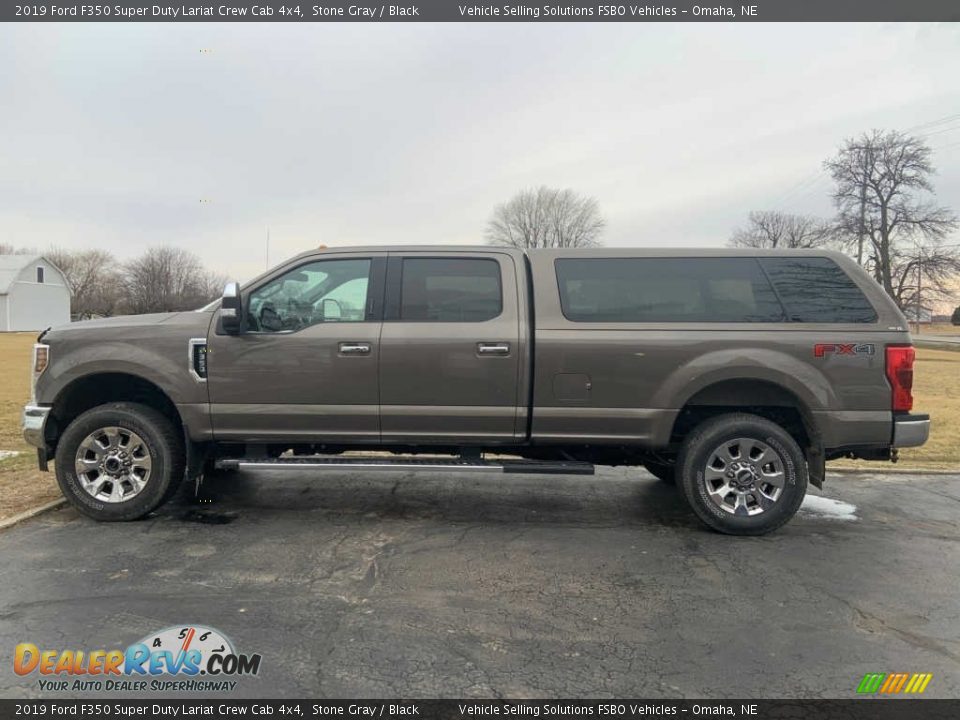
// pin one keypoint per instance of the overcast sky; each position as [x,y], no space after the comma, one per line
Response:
[112,134]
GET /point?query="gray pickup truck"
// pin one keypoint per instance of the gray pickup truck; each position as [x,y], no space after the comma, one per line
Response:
[734,374]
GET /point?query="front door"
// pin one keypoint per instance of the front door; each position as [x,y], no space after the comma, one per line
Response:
[450,349]
[305,366]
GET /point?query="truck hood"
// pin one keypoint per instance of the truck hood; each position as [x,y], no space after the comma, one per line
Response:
[133,325]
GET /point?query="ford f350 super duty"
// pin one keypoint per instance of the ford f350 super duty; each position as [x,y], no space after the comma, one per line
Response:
[735,374]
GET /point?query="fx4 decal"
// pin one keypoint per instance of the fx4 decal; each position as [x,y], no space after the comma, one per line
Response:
[822,349]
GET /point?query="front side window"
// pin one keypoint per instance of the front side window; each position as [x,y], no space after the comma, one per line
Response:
[450,290]
[665,290]
[318,292]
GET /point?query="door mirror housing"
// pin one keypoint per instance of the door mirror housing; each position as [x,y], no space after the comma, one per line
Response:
[331,309]
[231,309]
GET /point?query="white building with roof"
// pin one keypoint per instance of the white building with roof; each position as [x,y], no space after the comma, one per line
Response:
[34,293]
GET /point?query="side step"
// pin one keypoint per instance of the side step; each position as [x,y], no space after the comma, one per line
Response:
[453,465]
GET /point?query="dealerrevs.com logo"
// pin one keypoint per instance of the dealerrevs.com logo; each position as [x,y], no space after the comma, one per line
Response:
[187,658]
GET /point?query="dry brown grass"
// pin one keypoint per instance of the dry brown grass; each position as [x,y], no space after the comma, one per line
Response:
[938,329]
[22,486]
[936,390]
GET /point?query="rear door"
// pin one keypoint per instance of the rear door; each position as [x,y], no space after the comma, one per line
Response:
[305,367]
[450,349]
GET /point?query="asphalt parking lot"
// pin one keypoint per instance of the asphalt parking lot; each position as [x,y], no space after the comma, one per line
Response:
[394,584]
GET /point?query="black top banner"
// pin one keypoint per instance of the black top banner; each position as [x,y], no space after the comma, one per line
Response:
[484,11]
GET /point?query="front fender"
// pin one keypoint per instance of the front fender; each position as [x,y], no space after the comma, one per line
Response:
[172,377]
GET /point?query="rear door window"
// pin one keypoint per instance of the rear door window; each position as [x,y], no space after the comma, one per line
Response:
[817,290]
[666,290]
[450,290]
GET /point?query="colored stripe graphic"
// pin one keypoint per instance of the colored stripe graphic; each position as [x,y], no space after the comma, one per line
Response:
[894,683]
[870,683]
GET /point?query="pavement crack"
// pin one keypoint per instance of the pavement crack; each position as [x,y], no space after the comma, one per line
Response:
[870,622]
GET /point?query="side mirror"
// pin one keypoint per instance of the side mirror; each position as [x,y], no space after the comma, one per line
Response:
[331,309]
[231,309]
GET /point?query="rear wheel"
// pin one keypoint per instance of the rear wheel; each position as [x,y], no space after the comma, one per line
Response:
[742,474]
[119,461]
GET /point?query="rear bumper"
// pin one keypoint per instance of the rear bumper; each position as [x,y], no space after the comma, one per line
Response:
[910,430]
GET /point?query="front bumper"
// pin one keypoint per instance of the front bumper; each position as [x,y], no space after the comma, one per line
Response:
[910,430]
[33,421]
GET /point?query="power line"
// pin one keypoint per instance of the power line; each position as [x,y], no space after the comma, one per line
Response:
[808,185]
[940,132]
[802,185]
[933,123]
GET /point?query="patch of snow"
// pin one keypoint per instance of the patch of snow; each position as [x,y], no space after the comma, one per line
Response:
[827,508]
[4,454]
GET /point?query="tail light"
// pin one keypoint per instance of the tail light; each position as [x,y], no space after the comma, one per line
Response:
[900,374]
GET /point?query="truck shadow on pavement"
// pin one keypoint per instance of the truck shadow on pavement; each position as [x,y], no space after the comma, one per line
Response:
[612,499]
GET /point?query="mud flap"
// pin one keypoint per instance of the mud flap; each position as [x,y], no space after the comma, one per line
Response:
[196,456]
[816,466]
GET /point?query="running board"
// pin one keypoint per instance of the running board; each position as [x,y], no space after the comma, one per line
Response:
[495,466]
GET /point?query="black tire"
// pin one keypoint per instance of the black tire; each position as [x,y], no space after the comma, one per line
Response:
[707,442]
[160,438]
[665,472]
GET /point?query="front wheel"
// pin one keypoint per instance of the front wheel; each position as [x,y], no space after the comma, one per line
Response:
[742,474]
[119,461]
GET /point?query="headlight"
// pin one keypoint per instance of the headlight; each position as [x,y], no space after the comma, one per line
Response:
[41,358]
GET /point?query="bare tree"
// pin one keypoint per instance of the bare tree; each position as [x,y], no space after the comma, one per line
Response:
[883,196]
[922,276]
[774,229]
[8,249]
[546,218]
[166,279]
[95,280]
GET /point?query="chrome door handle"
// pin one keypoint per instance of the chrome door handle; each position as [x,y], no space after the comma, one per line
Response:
[493,348]
[354,348]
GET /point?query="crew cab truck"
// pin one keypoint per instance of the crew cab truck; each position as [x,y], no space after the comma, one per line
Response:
[735,374]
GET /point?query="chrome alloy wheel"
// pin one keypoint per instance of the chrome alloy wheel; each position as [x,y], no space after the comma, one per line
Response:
[113,464]
[744,476]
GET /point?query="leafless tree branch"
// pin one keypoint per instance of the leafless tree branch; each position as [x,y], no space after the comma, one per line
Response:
[882,187]
[546,218]
[773,229]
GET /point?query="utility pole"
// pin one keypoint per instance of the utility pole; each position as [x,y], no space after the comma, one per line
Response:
[266,259]
[863,210]
[919,284]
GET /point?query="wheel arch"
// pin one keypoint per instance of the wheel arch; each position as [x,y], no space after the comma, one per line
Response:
[766,398]
[89,391]
[751,365]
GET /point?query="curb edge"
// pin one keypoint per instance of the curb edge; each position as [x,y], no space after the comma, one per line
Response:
[31,513]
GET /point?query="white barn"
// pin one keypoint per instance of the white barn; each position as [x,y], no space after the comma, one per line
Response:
[34,294]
